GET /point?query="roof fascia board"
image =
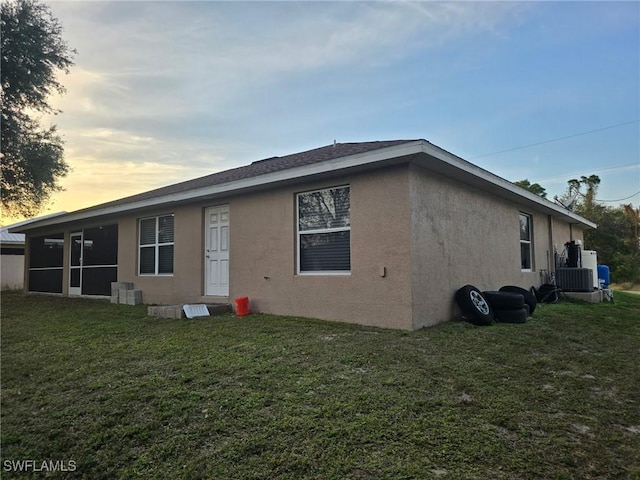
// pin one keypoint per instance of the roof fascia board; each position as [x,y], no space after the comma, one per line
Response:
[295,173]
[506,185]
[341,163]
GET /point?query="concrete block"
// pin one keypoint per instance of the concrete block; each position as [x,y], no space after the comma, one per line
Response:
[116,286]
[115,298]
[591,297]
[133,297]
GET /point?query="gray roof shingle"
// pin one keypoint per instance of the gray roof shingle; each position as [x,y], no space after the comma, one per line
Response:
[259,167]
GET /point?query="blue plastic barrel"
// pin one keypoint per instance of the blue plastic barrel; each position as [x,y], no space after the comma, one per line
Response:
[603,275]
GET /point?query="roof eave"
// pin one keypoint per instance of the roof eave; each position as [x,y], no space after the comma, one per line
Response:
[383,155]
[424,152]
[470,173]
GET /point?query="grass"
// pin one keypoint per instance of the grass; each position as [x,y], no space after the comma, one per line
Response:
[264,397]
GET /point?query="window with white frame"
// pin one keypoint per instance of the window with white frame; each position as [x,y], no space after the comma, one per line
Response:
[526,242]
[324,231]
[156,246]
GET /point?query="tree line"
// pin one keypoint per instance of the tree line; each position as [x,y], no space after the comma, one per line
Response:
[617,238]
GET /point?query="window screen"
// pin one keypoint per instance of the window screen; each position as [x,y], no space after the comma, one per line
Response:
[324,230]
[525,242]
[156,245]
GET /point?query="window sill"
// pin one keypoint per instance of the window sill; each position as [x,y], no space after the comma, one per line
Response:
[327,274]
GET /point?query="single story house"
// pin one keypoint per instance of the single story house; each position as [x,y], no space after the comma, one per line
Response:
[376,233]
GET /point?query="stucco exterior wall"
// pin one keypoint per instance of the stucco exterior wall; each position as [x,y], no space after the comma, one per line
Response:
[460,235]
[263,239]
[263,244]
[416,237]
[12,272]
[186,283]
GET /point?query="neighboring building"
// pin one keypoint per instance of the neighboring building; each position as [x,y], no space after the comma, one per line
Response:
[375,233]
[12,259]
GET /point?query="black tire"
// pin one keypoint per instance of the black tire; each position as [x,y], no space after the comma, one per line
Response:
[504,300]
[529,297]
[511,316]
[548,293]
[474,305]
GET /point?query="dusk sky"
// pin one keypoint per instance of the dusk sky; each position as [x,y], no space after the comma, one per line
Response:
[163,92]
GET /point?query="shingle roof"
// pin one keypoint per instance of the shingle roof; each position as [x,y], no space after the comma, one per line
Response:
[259,167]
[323,160]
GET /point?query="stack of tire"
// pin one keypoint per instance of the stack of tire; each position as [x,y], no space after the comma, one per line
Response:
[510,304]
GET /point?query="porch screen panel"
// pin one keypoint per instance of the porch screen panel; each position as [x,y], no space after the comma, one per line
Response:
[97,281]
[45,281]
[46,263]
[100,259]
[100,246]
[46,251]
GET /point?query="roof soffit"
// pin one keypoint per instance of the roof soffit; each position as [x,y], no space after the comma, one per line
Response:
[420,152]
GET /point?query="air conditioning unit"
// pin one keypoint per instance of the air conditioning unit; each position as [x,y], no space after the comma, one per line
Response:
[575,279]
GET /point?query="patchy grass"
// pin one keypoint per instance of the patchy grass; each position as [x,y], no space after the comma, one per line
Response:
[628,286]
[264,397]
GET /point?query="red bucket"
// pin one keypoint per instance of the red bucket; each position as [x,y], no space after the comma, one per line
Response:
[242,306]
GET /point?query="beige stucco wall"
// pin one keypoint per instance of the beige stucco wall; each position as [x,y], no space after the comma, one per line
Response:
[460,235]
[263,240]
[428,234]
[263,244]
[185,285]
[12,272]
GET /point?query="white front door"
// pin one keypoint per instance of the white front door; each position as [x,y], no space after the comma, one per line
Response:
[216,254]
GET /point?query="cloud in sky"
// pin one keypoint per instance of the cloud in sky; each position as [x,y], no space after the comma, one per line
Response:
[167,91]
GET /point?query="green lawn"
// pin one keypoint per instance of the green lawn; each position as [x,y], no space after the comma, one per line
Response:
[123,395]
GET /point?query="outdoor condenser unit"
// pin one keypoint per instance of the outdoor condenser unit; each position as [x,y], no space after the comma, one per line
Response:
[575,279]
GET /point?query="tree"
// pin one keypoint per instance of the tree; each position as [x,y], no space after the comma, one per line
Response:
[575,200]
[616,239]
[32,157]
[532,187]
